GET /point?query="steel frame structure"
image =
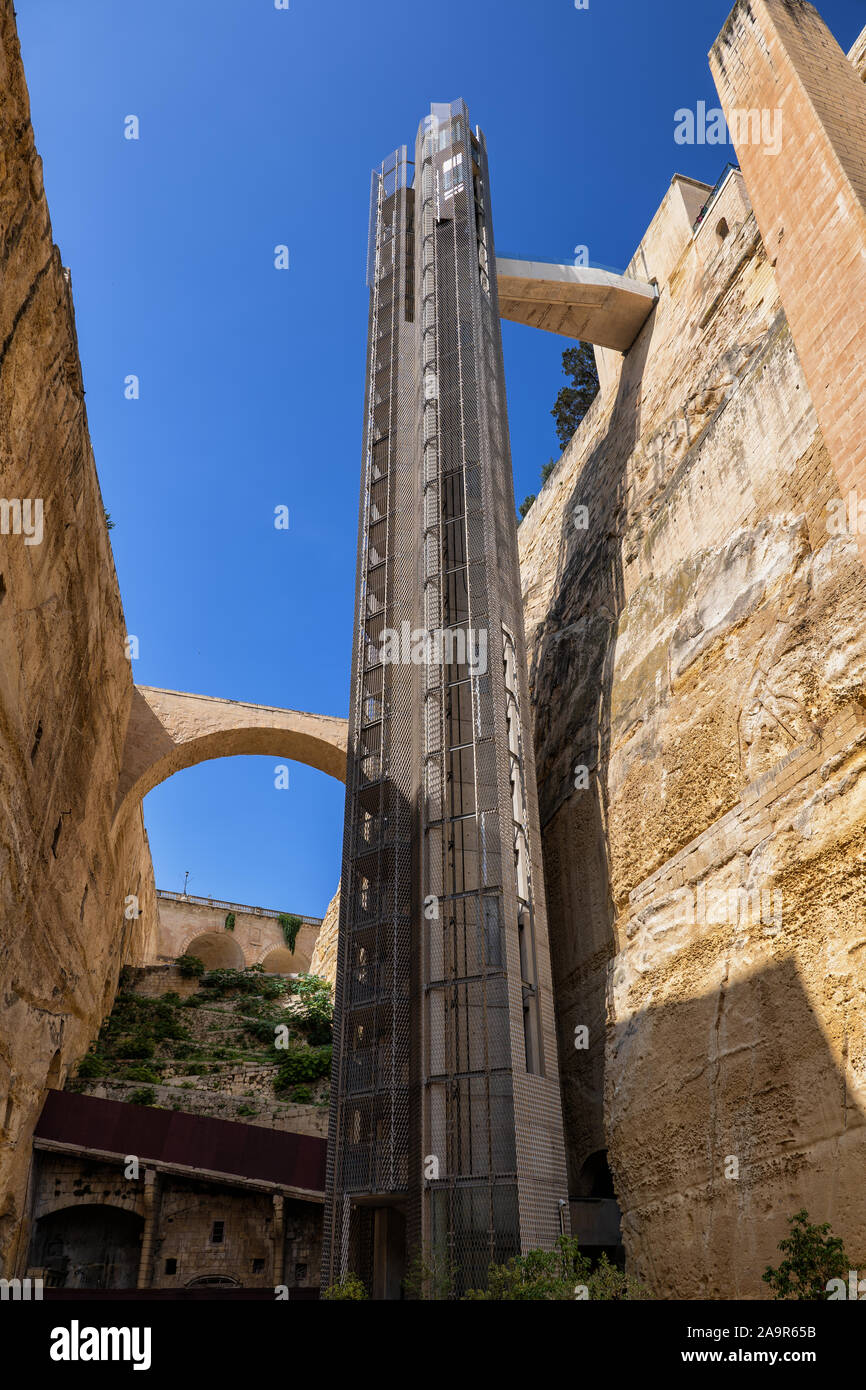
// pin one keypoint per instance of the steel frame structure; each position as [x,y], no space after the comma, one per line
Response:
[445,1132]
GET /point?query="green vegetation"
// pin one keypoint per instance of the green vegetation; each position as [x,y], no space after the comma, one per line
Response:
[302,1064]
[140,1072]
[94,1064]
[556,1276]
[574,401]
[145,1095]
[253,980]
[230,921]
[314,1006]
[812,1258]
[429,1277]
[190,966]
[349,1288]
[241,1016]
[291,925]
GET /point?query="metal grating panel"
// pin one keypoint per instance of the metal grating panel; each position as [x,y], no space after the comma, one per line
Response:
[445,1096]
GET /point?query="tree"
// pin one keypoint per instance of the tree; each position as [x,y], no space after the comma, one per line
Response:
[812,1259]
[525,505]
[574,401]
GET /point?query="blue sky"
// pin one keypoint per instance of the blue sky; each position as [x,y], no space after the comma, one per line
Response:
[259,127]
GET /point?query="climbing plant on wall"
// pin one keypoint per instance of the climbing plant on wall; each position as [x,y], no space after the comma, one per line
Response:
[291,925]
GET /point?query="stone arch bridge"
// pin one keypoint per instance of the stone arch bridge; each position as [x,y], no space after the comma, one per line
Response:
[169,730]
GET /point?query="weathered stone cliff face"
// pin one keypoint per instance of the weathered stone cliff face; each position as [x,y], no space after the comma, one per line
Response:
[65,682]
[324,960]
[701,649]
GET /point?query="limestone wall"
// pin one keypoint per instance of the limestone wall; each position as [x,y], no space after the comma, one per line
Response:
[243,1093]
[324,960]
[65,682]
[700,648]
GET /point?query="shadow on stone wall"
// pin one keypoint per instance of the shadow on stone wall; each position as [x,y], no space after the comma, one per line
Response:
[573,656]
[739,1079]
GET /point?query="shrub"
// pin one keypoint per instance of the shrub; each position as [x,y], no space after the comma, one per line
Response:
[230,921]
[145,1095]
[302,1064]
[139,1072]
[261,1030]
[556,1276]
[812,1259]
[93,1065]
[301,1095]
[251,981]
[190,967]
[315,1010]
[349,1288]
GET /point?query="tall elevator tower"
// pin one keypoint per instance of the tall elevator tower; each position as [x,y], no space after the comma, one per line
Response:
[445,1139]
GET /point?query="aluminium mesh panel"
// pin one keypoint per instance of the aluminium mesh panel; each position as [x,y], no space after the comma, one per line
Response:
[370,1083]
[433,1102]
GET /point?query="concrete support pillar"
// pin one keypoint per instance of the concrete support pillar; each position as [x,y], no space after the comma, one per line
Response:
[151,1214]
[279,1239]
[778,59]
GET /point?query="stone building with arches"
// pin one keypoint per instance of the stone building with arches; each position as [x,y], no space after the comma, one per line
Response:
[231,935]
[126,1198]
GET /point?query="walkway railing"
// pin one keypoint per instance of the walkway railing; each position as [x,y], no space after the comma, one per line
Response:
[236,907]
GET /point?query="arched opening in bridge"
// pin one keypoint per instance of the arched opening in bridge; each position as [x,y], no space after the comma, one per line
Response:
[280,961]
[261,841]
[217,950]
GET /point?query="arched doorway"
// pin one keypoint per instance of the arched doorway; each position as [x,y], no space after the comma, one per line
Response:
[218,950]
[88,1247]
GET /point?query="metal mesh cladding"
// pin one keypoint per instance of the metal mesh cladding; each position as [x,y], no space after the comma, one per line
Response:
[444,1089]
[369,1121]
